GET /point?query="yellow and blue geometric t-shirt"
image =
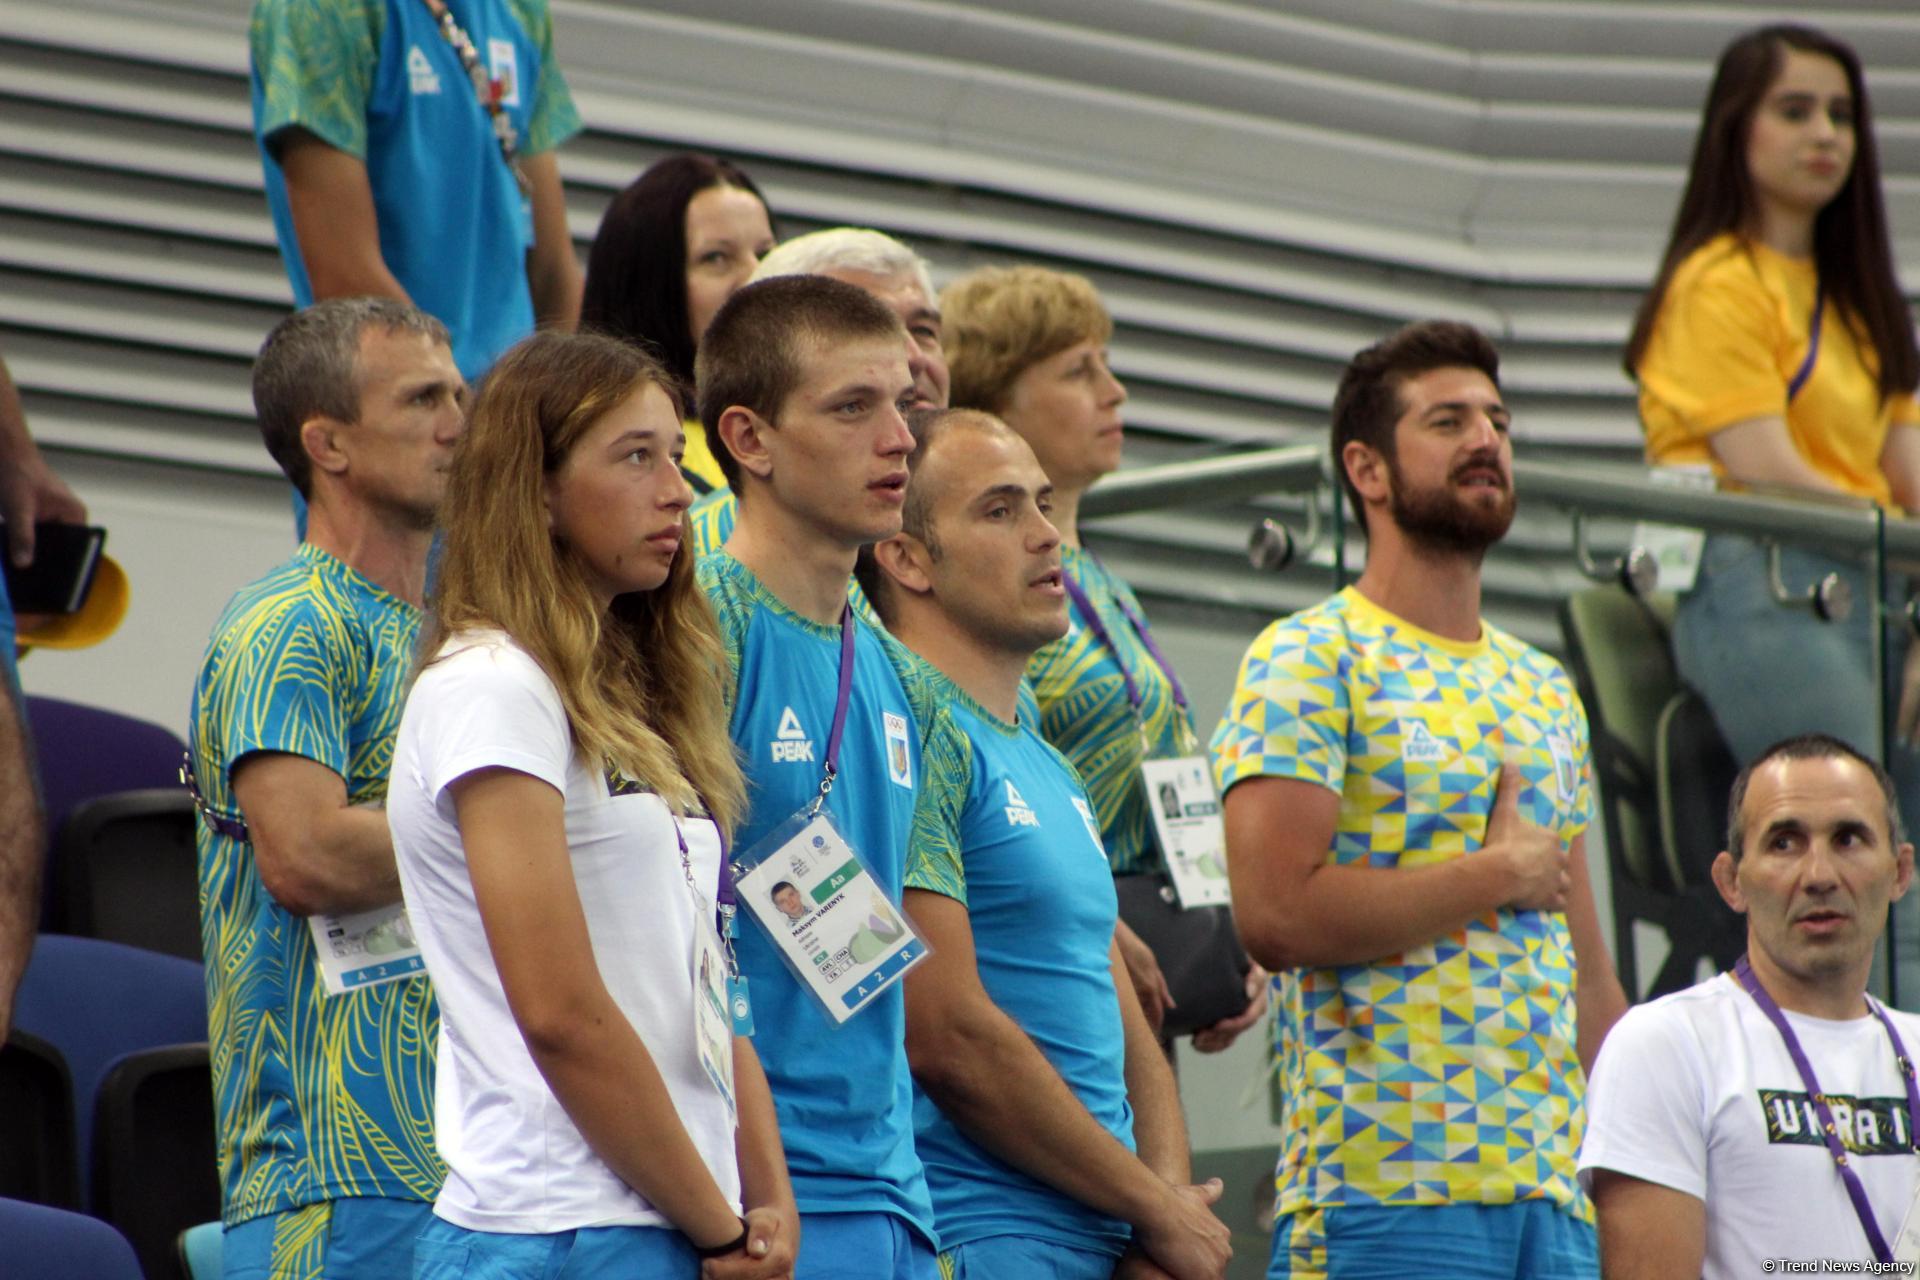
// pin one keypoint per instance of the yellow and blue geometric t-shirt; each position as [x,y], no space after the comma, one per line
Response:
[1445,1074]
[1086,715]
[316,1097]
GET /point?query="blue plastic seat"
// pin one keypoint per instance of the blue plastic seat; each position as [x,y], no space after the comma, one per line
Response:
[200,1251]
[98,1001]
[42,1243]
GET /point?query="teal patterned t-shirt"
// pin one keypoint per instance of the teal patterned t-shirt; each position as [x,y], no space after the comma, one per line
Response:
[316,1097]
[1085,713]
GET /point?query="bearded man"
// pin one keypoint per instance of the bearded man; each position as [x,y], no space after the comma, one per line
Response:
[1406,802]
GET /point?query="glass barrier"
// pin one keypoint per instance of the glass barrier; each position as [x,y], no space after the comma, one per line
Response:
[1756,613]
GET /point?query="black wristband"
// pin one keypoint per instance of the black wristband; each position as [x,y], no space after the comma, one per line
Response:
[734,1245]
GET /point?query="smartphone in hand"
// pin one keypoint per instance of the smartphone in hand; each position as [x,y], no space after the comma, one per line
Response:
[65,557]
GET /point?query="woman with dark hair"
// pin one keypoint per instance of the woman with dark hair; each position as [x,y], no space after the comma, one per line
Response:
[563,786]
[1775,347]
[670,250]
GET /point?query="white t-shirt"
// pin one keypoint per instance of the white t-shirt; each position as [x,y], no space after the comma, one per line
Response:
[515,1161]
[1696,1091]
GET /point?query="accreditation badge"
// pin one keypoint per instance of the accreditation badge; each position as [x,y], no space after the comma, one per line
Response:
[712,1021]
[1906,1245]
[365,949]
[1189,828]
[825,913]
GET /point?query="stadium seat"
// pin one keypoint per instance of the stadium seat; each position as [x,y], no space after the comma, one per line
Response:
[38,1242]
[1620,656]
[1696,770]
[37,1150]
[89,751]
[85,752]
[200,1251]
[124,869]
[154,1171]
[97,1001]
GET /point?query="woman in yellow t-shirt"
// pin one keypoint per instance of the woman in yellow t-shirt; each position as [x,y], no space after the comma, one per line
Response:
[1775,346]
[671,249]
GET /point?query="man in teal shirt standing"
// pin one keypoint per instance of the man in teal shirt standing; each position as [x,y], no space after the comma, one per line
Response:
[390,175]
[801,383]
[323,1103]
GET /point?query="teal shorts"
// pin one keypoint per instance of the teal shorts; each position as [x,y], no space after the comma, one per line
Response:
[359,1238]
[1528,1240]
[862,1246]
[447,1252]
[997,1257]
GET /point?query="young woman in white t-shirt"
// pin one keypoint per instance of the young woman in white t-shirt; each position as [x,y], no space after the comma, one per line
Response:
[560,783]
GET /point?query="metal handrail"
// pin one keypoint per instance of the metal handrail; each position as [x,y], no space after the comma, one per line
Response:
[1599,491]
[1227,477]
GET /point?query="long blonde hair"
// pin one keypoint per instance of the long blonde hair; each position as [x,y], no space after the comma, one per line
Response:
[643,685]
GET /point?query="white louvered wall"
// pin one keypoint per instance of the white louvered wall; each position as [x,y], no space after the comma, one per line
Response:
[1258,189]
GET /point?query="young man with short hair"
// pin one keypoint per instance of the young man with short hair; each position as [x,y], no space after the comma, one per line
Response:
[1730,1124]
[1406,802]
[1049,1122]
[888,270]
[801,383]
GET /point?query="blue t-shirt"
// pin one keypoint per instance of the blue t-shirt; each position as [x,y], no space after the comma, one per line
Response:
[316,1097]
[1006,829]
[843,1092]
[377,80]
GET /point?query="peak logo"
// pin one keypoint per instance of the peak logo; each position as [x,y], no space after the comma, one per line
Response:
[1019,812]
[790,742]
[421,77]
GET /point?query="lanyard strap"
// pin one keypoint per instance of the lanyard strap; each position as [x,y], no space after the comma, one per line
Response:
[489,90]
[1805,370]
[1098,626]
[724,899]
[219,823]
[832,769]
[1855,1190]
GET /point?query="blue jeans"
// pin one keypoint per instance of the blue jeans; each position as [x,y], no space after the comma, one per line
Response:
[1770,672]
[447,1252]
[1528,1240]
[862,1246]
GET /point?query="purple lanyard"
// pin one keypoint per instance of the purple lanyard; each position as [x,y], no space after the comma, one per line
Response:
[832,769]
[1805,370]
[1855,1191]
[1099,628]
[723,897]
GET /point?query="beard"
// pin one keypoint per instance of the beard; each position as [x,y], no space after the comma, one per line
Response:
[1439,519]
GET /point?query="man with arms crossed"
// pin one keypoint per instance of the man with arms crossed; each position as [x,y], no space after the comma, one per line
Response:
[1406,802]
[1707,1149]
[1038,1072]
[324,1103]
[891,272]
[801,382]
